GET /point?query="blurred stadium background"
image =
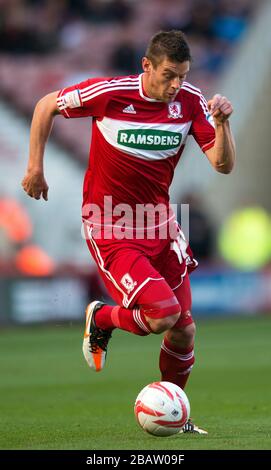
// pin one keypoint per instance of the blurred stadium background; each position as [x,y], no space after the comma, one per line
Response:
[46,273]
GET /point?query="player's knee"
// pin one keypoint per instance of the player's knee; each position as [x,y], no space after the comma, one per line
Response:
[188,333]
[159,325]
[183,337]
[162,315]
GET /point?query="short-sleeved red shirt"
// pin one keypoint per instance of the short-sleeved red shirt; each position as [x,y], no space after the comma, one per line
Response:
[136,141]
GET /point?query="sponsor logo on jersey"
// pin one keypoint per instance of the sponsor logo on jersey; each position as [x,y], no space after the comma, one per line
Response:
[129,109]
[174,110]
[149,139]
[128,282]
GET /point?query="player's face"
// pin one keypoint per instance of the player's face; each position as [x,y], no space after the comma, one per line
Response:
[164,81]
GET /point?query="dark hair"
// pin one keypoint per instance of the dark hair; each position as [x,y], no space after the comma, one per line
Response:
[169,44]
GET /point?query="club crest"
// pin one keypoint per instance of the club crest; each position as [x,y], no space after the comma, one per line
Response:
[128,282]
[174,110]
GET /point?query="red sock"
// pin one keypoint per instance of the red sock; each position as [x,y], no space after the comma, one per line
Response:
[109,317]
[176,363]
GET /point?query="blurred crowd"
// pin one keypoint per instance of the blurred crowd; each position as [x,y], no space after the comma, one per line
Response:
[47,26]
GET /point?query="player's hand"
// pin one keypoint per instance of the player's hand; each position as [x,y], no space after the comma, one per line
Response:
[220,108]
[35,185]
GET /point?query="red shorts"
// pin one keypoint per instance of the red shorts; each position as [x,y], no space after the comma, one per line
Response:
[127,267]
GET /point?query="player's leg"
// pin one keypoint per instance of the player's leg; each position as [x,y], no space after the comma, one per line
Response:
[145,302]
[177,355]
[157,310]
[177,349]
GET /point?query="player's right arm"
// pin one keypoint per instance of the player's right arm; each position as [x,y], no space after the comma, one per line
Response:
[34,182]
[86,99]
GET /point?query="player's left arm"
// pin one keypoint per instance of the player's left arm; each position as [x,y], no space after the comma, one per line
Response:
[222,154]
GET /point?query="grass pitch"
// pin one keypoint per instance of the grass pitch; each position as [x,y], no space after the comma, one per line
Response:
[49,399]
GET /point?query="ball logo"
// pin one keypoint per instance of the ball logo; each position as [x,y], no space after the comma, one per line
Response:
[174,110]
[128,282]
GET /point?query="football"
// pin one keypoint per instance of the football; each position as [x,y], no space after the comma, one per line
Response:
[162,408]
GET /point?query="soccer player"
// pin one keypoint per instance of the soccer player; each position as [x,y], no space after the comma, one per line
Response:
[140,125]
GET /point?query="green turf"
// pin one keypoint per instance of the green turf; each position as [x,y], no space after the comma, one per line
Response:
[49,399]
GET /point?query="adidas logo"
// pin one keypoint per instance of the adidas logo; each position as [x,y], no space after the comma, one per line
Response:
[129,109]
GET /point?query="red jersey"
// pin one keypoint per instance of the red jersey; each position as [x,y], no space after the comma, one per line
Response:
[137,141]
